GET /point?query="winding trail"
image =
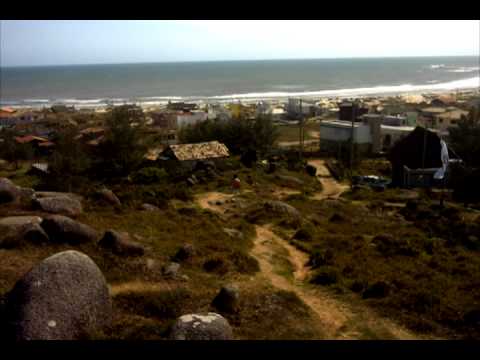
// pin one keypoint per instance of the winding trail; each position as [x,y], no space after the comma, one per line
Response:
[335,318]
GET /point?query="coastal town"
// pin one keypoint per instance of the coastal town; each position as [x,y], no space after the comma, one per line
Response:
[344,217]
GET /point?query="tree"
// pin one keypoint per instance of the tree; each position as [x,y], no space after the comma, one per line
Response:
[465,138]
[240,135]
[123,149]
[69,162]
[12,151]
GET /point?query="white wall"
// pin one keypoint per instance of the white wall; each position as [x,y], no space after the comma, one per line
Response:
[361,133]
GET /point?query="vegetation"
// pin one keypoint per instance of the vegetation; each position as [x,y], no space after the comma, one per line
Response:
[239,135]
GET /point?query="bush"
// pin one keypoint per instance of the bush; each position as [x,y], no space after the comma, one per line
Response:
[150,175]
[244,263]
[327,276]
[378,290]
[305,233]
[216,265]
[320,258]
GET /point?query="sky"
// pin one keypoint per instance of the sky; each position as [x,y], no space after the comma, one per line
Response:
[45,42]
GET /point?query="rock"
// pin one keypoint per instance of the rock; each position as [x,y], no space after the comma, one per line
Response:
[61,298]
[184,253]
[184,277]
[63,205]
[171,270]
[227,299]
[233,233]
[282,208]
[311,170]
[149,207]
[218,203]
[290,180]
[121,244]
[49,194]
[210,326]
[9,192]
[109,197]
[62,229]
[17,229]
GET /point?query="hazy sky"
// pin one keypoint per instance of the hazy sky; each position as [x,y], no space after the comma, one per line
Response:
[89,42]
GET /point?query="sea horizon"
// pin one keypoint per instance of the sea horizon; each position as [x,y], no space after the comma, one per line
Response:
[150,84]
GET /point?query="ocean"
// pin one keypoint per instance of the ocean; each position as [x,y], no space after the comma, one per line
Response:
[157,83]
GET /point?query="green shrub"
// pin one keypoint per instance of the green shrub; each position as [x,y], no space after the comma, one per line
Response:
[325,276]
[244,263]
[150,175]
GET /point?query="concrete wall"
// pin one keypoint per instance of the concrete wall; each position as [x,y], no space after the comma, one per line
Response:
[361,133]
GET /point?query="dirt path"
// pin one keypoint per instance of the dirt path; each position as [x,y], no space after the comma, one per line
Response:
[331,188]
[208,200]
[335,318]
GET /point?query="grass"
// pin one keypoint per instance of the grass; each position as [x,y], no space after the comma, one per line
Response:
[291,132]
[432,282]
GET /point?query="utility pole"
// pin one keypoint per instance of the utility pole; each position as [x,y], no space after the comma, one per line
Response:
[352,136]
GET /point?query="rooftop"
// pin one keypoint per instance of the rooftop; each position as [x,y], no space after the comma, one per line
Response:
[200,151]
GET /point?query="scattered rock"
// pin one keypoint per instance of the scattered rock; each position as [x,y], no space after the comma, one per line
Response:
[171,270]
[15,230]
[50,194]
[149,207]
[311,170]
[109,197]
[9,192]
[227,299]
[210,326]
[62,298]
[233,233]
[282,208]
[121,244]
[63,205]
[290,180]
[62,229]
[184,253]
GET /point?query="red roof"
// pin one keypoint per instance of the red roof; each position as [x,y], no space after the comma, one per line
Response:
[29,138]
[7,110]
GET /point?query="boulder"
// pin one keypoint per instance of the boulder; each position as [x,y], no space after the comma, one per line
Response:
[311,170]
[109,197]
[9,192]
[171,270]
[63,205]
[290,180]
[233,233]
[227,299]
[184,253]
[121,244]
[282,208]
[50,194]
[210,326]
[15,230]
[149,207]
[64,297]
[62,229]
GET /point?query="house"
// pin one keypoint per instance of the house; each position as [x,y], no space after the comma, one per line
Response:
[449,119]
[181,106]
[185,157]
[10,117]
[349,110]
[429,116]
[299,107]
[443,100]
[369,134]
[39,169]
[416,158]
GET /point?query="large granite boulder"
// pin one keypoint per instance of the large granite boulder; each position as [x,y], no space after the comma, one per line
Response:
[64,297]
[109,197]
[121,244]
[15,230]
[282,208]
[210,326]
[9,192]
[64,205]
[50,194]
[62,229]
